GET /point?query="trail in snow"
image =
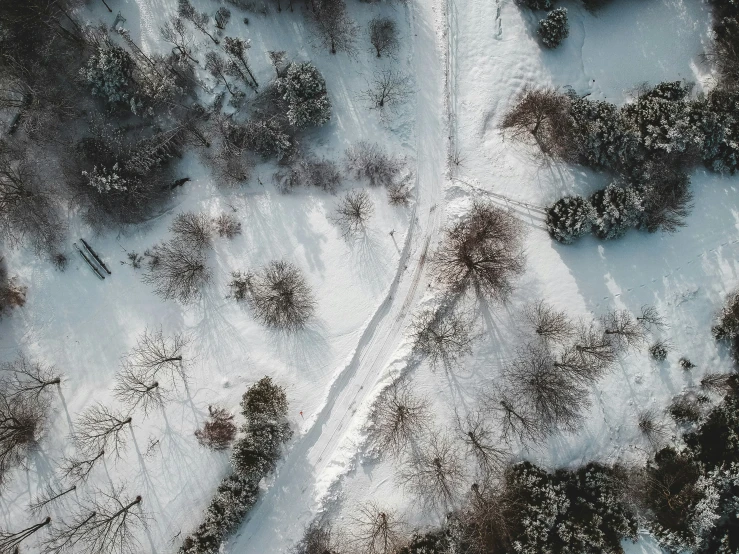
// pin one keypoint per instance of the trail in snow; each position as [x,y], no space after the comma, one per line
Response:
[317,459]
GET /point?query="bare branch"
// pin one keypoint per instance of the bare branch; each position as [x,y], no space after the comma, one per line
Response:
[397,417]
[101,428]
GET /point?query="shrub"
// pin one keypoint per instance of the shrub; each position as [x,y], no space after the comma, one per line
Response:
[554,28]
[569,218]
[219,431]
[616,210]
[659,350]
[227,226]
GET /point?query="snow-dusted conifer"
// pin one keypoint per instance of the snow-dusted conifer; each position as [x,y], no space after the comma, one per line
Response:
[569,218]
[304,89]
[617,209]
[554,28]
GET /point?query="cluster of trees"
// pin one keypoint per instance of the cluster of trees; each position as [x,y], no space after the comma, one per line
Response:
[254,456]
[649,144]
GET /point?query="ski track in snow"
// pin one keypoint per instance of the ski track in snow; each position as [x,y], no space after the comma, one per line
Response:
[316,460]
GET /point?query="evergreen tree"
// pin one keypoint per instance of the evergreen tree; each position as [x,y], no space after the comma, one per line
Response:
[554,28]
[617,209]
[569,218]
[304,89]
[109,72]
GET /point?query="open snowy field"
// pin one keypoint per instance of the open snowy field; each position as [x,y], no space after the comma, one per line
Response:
[469,60]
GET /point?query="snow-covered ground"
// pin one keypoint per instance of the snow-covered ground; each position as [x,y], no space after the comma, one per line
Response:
[469,59]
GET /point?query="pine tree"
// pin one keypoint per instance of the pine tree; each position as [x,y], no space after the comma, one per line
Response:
[304,89]
[617,209]
[569,218]
[554,28]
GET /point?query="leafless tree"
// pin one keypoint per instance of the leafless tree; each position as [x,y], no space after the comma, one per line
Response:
[397,417]
[336,29]
[101,428]
[686,407]
[219,431]
[177,271]
[436,475]
[175,33]
[27,210]
[78,468]
[551,325]
[134,388]
[485,527]
[595,349]
[353,212]
[222,17]
[227,226]
[155,355]
[200,20]
[236,49]
[556,400]
[12,295]
[623,330]
[366,160]
[383,35]
[106,524]
[650,318]
[10,541]
[716,382]
[27,378]
[399,194]
[484,250]
[194,229]
[220,69]
[50,495]
[376,530]
[280,296]
[581,369]
[482,443]
[516,417]
[22,419]
[318,539]
[442,335]
[652,428]
[541,115]
[389,88]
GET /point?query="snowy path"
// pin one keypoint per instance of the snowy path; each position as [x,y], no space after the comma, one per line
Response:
[320,455]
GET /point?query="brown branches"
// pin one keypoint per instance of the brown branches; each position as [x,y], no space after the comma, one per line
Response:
[135,388]
[353,212]
[23,377]
[436,474]
[388,89]
[442,336]
[99,428]
[481,442]
[80,467]
[376,530]
[193,229]
[397,417]
[484,250]
[219,431]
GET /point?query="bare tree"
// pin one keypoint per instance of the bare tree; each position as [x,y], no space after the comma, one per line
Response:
[194,229]
[227,226]
[353,212]
[335,28]
[442,335]
[106,524]
[177,271]
[397,417]
[222,17]
[237,48]
[49,496]
[78,468]
[175,33]
[717,382]
[318,539]
[652,428]
[516,417]
[650,317]
[541,115]
[376,530]
[582,369]
[135,388]
[555,399]
[659,349]
[366,160]
[200,20]
[21,422]
[10,541]
[101,428]
[595,349]
[549,324]
[485,523]
[399,194]
[279,295]
[219,431]
[220,70]
[484,250]
[383,35]
[623,330]
[27,378]
[436,474]
[481,442]
[389,88]
[155,354]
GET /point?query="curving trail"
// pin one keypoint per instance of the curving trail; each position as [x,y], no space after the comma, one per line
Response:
[319,456]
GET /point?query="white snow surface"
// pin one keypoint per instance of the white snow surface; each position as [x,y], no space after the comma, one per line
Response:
[469,60]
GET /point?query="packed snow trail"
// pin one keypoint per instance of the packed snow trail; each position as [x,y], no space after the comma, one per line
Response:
[317,458]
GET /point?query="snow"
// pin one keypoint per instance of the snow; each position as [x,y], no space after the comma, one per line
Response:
[469,59]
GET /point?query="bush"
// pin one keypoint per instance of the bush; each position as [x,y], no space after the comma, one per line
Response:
[659,350]
[616,210]
[369,161]
[554,28]
[304,90]
[569,218]
[219,431]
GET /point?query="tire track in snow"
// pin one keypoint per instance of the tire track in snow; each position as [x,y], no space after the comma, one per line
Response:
[317,458]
